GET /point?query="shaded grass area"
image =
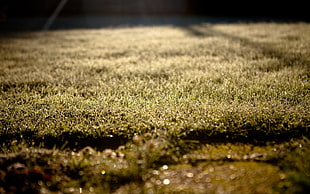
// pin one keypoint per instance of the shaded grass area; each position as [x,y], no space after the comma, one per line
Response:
[155,109]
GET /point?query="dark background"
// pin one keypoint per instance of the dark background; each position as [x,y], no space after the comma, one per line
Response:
[21,15]
[297,9]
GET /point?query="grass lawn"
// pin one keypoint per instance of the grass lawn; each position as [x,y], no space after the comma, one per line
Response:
[210,108]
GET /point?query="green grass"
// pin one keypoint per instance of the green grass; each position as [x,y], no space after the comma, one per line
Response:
[164,109]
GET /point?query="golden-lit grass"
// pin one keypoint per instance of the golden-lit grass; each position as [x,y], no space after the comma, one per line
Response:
[226,96]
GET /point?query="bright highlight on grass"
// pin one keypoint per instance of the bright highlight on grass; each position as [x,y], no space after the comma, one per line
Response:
[103,172]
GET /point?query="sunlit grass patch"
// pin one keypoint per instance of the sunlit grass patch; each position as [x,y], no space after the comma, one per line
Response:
[140,98]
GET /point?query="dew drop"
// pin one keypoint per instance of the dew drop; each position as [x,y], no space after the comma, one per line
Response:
[166,181]
[158,182]
[190,175]
[282,176]
[232,177]
[91,189]
[165,167]
[103,172]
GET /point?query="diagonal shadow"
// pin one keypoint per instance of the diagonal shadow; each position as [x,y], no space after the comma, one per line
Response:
[285,59]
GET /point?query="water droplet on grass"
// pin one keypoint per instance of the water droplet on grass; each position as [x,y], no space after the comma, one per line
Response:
[282,176]
[166,182]
[103,172]
[232,177]
[158,182]
[165,167]
[189,175]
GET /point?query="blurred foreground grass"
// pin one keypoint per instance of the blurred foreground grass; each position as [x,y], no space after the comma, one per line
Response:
[204,108]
